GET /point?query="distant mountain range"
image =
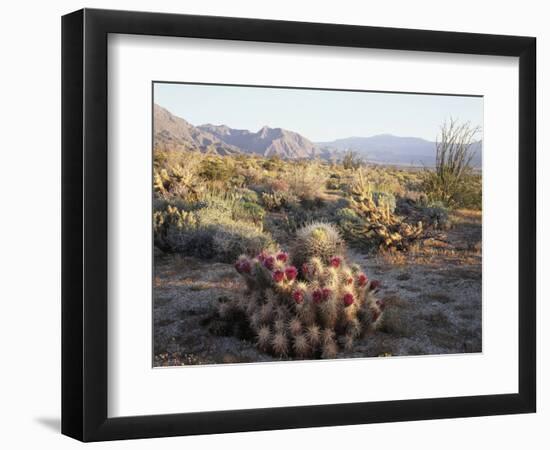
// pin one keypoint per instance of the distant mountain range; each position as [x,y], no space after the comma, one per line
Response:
[390,149]
[172,132]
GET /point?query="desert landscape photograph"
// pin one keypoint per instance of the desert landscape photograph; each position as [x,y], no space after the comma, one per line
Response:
[312,224]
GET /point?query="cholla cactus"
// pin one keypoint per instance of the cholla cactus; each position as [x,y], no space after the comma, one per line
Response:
[318,239]
[314,311]
[379,226]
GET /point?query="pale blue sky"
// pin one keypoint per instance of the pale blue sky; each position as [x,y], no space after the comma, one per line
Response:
[319,115]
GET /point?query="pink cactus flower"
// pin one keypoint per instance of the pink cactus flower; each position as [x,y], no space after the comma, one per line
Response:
[262,256]
[269,262]
[238,266]
[374,284]
[245,266]
[348,299]
[335,262]
[317,296]
[326,293]
[278,276]
[291,273]
[298,296]
[282,256]
[362,280]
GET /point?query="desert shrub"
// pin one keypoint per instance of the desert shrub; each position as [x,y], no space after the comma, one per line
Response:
[250,211]
[346,214]
[221,240]
[274,201]
[277,185]
[377,179]
[351,160]
[350,225]
[252,175]
[453,181]
[470,193]
[217,227]
[272,163]
[300,214]
[177,175]
[453,193]
[315,310]
[167,223]
[248,195]
[307,181]
[220,172]
[433,214]
[437,215]
[334,181]
[226,239]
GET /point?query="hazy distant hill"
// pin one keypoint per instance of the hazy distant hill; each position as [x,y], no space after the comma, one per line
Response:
[390,149]
[174,132]
[265,142]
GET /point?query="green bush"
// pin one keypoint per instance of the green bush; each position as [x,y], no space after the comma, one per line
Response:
[223,241]
[307,181]
[251,212]
[216,228]
[275,201]
[463,192]
[453,180]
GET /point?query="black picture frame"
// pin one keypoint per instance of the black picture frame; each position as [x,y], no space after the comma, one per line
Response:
[84,224]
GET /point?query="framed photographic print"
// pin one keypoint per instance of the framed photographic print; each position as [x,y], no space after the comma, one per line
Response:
[273,224]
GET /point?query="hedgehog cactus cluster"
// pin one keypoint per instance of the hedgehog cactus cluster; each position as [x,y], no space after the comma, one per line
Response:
[307,311]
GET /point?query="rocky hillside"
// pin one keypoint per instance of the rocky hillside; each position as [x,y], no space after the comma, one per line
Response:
[265,142]
[172,132]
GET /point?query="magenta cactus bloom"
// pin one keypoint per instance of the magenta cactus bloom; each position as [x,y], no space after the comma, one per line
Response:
[269,262]
[374,284]
[298,296]
[243,266]
[278,276]
[362,279]
[335,261]
[282,256]
[291,273]
[326,293]
[348,299]
[262,256]
[246,267]
[317,296]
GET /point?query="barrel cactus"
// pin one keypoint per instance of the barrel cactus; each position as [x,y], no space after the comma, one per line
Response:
[318,239]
